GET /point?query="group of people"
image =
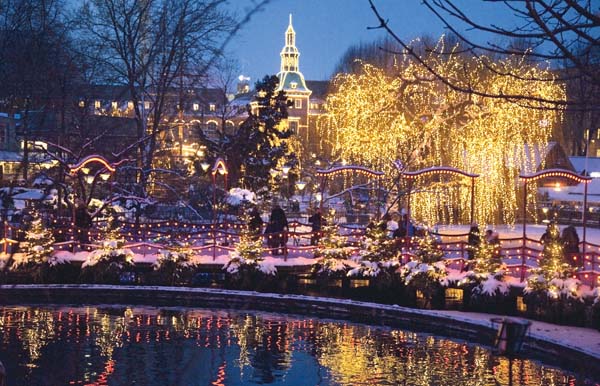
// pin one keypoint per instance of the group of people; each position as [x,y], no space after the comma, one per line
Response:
[569,238]
[276,228]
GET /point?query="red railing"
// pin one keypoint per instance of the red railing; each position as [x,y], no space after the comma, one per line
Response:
[519,254]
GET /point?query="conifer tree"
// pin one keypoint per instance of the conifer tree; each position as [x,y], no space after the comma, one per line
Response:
[39,246]
[331,250]
[248,251]
[39,241]
[553,275]
[378,251]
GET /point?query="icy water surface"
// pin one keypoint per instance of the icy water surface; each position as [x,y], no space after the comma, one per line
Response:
[156,346]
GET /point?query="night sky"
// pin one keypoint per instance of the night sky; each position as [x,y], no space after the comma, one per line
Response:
[326,28]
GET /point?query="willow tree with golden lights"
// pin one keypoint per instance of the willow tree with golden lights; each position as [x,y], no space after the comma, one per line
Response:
[377,116]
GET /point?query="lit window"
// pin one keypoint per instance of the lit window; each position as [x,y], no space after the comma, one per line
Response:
[114,105]
[81,103]
[298,103]
[293,84]
[196,107]
[97,104]
[294,127]
[130,105]
[212,107]
[146,105]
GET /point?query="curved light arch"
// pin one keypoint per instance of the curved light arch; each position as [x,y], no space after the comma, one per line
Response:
[73,169]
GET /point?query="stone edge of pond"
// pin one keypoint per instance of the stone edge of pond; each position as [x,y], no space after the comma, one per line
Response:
[432,321]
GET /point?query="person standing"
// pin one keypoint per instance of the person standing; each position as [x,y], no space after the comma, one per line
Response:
[473,241]
[316,222]
[277,229]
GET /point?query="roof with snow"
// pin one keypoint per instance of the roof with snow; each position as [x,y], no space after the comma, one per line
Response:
[587,164]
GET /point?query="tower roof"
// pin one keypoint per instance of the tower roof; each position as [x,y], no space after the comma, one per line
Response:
[290,77]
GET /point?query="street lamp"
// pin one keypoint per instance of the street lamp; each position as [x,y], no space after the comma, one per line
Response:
[221,168]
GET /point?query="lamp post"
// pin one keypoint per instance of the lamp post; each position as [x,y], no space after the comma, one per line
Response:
[221,168]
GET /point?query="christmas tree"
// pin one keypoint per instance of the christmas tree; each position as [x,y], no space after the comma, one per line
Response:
[553,274]
[248,251]
[331,250]
[488,271]
[378,252]
[426,273]
[110,259]
[39,245]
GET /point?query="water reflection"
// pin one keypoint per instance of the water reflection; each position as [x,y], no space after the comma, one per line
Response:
[150,346]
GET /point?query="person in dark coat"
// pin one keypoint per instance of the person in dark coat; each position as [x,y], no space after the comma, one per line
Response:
[316,222]
[83,223]
[255,223]
[277,229]
[570,240]
[473,241]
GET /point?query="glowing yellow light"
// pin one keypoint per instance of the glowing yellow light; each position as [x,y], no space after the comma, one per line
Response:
[377,116]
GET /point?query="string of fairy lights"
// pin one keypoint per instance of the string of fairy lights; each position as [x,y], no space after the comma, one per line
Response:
[377,116]
[146,239]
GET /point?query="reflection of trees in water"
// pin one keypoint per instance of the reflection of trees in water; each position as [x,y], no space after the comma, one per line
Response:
[125,343]
[262,344]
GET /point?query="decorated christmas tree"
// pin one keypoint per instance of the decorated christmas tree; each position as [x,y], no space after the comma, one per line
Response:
[247,254]
[553,275]
[378,252]
[37,255]
[426,273]
[488,272]
[331,251]
[110,259]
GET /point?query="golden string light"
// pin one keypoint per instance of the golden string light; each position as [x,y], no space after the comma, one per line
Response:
[378,116]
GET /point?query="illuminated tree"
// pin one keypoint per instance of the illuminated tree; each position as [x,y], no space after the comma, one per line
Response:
[427,272]
[332,251]
[110,259]
[247,256]
[403,113]
[378,253]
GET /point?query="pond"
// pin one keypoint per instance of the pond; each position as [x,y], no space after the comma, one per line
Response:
[97,345]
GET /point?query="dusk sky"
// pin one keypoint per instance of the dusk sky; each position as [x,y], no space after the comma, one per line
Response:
[326,28]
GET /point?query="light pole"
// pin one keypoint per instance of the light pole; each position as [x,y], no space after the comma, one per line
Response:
[221,168]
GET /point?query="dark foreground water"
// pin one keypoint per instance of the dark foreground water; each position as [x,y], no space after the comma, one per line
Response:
[156,346]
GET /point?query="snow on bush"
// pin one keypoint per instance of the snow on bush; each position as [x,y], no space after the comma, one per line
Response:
[110,251]
[238,195]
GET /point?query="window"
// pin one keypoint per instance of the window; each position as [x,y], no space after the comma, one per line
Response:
[294,127]
[211,129]
[212,107]
[195,107]
[146,105]
[114,105]
[293,85]
[97,105]
[81,103]
[130,105]
[298,103]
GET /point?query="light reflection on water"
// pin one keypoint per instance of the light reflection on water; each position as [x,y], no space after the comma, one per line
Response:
[151,346]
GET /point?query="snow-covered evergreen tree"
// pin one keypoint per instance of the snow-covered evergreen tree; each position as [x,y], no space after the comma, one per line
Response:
[248,252]
[174,261]
[332,251]
[553,275]
[110,258]
[378,253]
[37,255]
[488,272]
[427,272]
